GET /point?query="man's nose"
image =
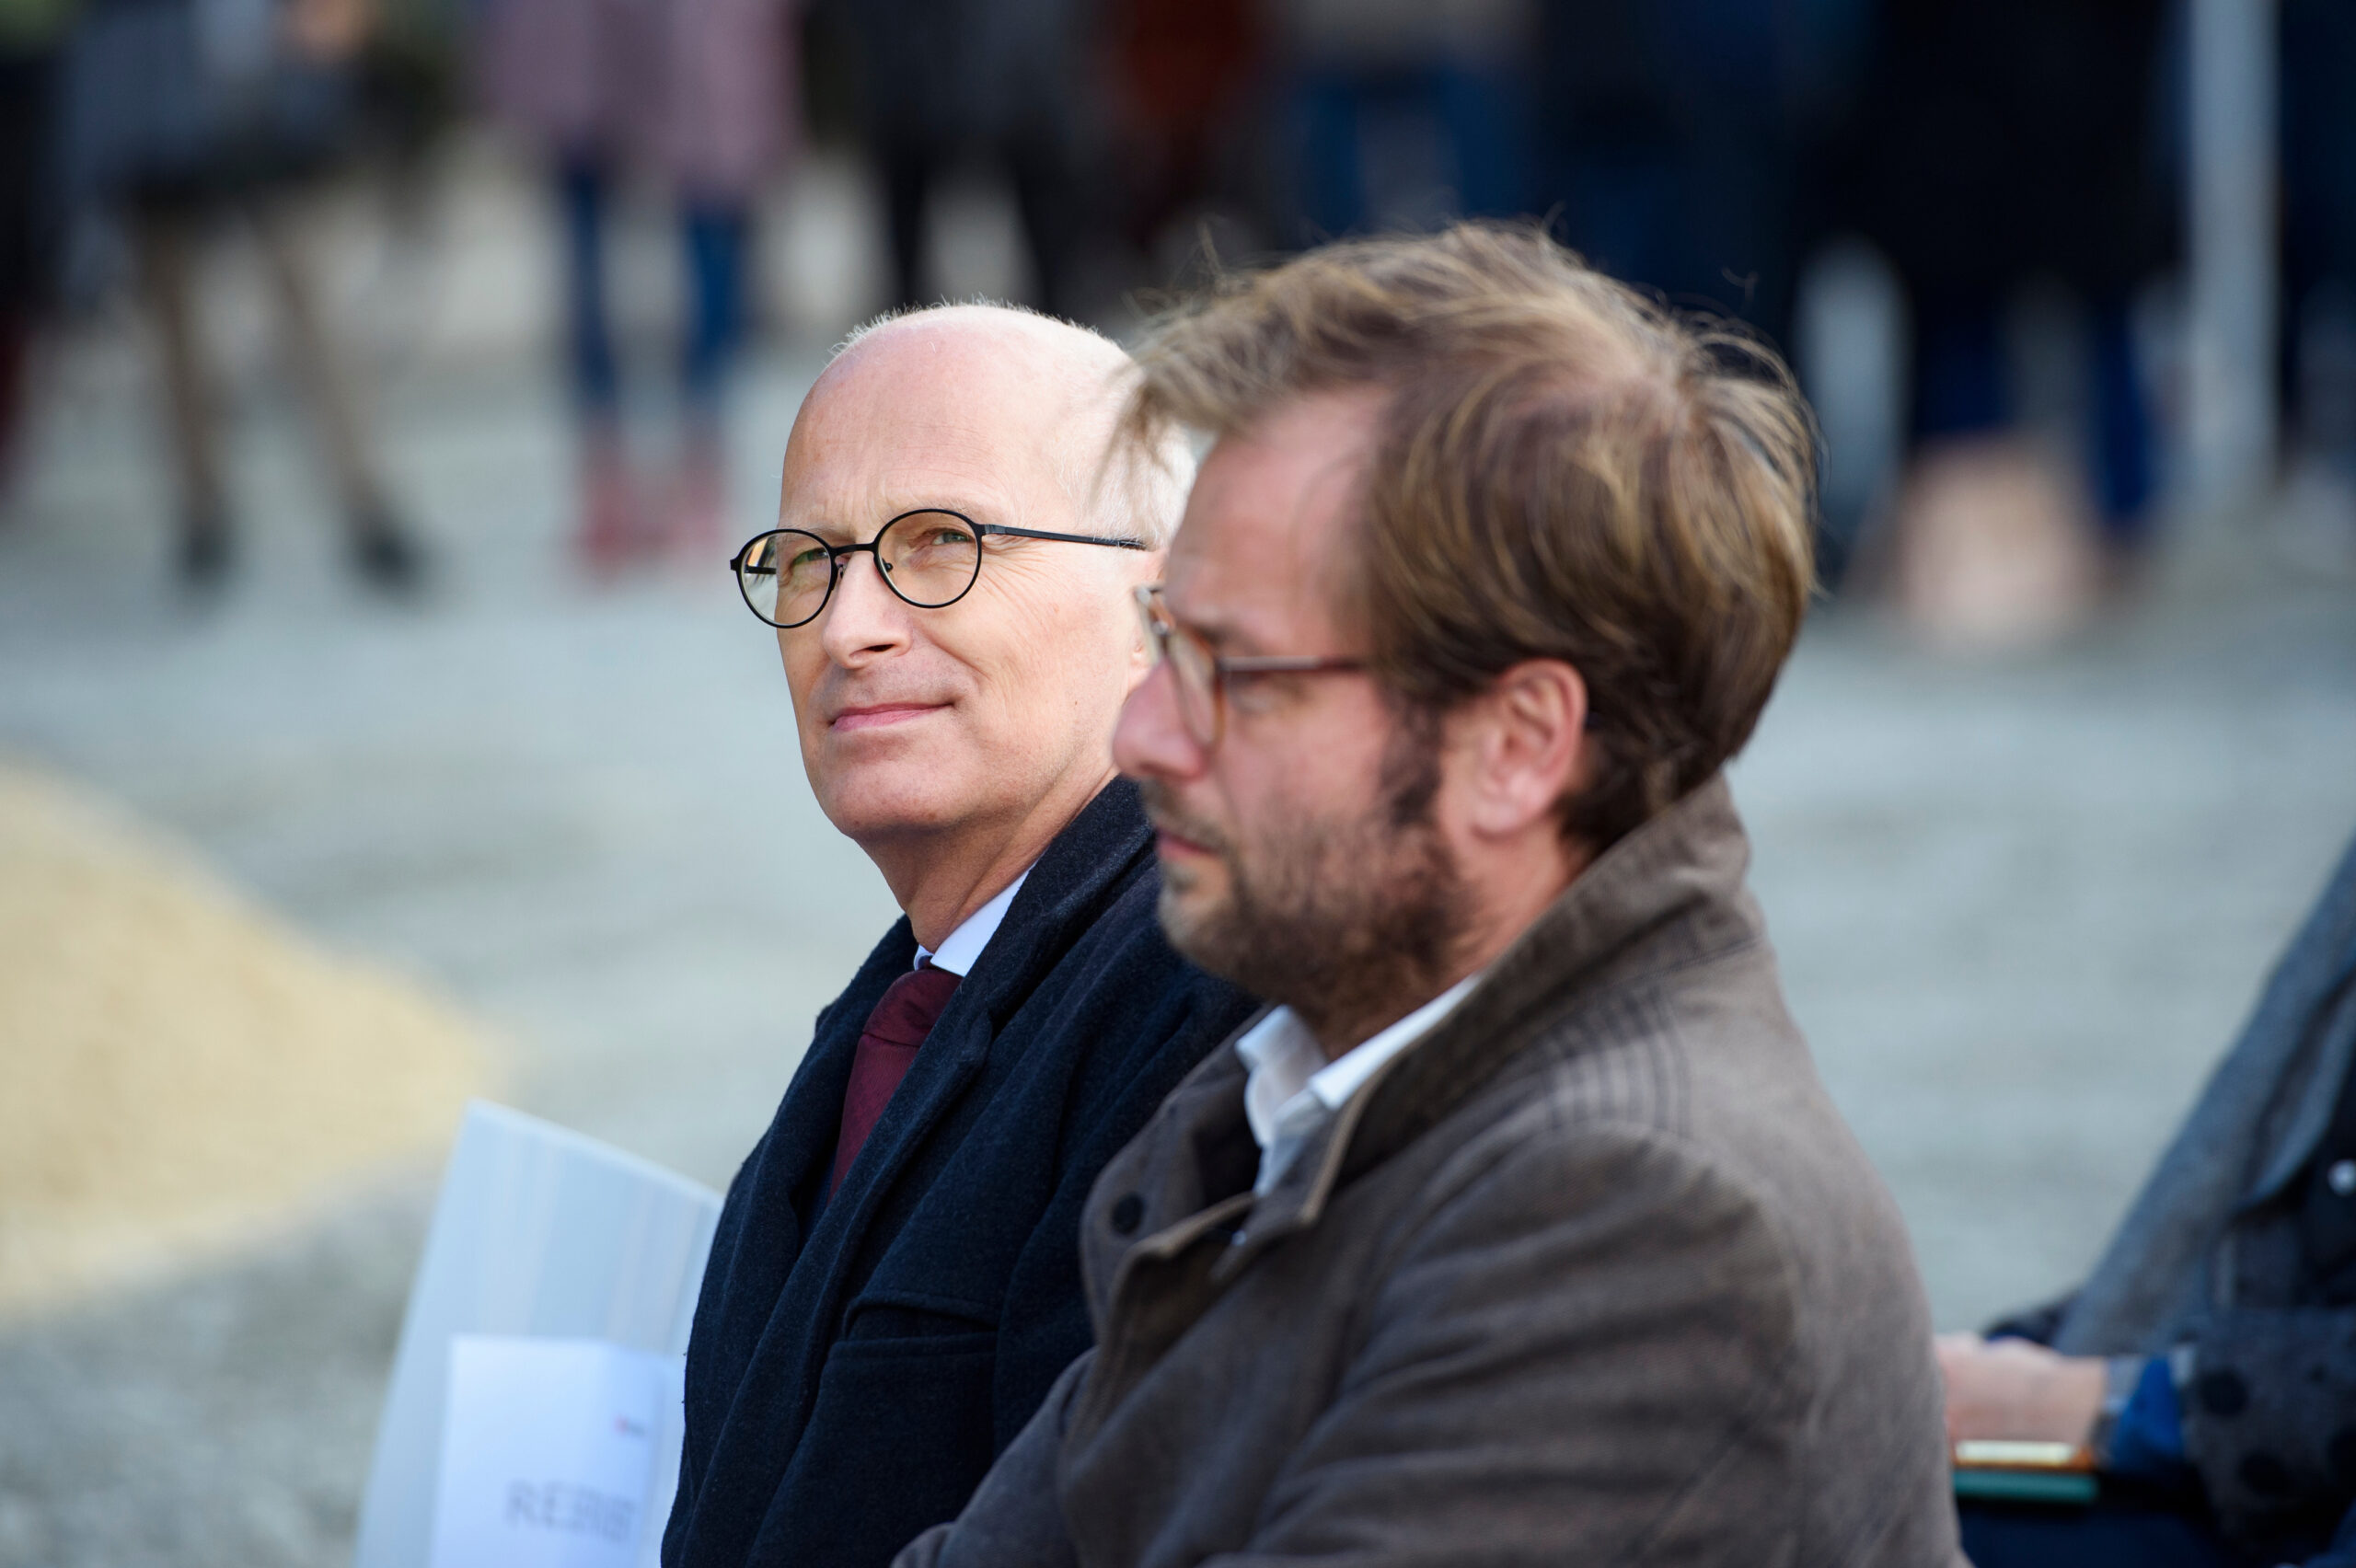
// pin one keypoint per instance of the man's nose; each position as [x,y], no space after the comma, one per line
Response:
[863,618]
[1152,741]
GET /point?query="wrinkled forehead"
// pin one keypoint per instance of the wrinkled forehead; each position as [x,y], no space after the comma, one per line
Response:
[967,420]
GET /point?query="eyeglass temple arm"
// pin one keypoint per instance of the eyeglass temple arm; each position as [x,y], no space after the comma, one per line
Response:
[736,562]
[1065,538]
[1288,663]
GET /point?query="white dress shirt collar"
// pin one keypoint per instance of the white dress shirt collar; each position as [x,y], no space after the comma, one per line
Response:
[961,948]
[1292,1090]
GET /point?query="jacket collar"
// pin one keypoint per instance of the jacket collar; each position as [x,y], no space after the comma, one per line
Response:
[1081,871]
[1670,892]
[764,1360]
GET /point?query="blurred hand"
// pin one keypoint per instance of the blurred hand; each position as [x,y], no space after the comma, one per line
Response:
[328,30]
[2011,1388]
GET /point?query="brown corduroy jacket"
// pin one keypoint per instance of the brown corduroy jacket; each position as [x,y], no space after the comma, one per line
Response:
[1593,1274]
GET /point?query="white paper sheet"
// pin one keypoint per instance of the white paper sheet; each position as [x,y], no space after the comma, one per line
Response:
[540,1233]
[552,1453]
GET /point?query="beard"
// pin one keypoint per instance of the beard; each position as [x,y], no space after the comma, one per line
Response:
[1350,922]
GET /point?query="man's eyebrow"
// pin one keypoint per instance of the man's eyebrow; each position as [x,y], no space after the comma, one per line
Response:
[834,533]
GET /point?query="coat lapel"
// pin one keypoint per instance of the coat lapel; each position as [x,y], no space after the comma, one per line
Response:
[763,1235]
[1062,898]
[802,1313]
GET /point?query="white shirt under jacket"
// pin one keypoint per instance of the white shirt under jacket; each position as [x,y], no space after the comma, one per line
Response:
[1293,1091]
[961,949]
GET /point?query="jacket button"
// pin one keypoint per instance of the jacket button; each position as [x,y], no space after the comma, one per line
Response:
[1127,1213]
[2222,1392]
[2265,1474]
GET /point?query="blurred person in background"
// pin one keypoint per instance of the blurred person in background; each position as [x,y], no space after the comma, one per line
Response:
[1186,100]
[1404,113]
[177,111]
[30,33]
[893,1283]
[1521,1230]
[1669,147]
[946,84]
[2001,143]
[704,96]
[2210,1359]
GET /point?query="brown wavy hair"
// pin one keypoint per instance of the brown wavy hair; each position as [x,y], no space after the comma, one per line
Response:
[1566,469]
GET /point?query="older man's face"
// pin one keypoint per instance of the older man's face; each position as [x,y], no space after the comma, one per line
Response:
[917,721]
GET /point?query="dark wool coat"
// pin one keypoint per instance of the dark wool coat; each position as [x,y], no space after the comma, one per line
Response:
[857,1364]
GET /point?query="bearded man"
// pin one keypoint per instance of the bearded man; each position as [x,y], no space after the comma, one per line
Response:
[894,1286]
[1521,1231]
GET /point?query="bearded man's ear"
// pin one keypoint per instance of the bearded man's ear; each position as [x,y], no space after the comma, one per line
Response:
[1525,741]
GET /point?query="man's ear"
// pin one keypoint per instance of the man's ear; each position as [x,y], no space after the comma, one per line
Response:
[1522,744]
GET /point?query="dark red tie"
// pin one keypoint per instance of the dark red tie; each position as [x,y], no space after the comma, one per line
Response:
[887,1049]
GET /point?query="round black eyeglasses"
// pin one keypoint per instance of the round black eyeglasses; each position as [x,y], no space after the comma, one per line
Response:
[930,558]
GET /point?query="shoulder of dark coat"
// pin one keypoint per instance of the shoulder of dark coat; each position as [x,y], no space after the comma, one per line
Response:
[1124,963]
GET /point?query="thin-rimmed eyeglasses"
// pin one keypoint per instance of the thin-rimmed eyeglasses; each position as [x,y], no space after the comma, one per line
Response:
[930,558]
[1201,676]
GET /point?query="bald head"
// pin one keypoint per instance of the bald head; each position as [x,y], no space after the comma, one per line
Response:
[1060,389]
[954,740]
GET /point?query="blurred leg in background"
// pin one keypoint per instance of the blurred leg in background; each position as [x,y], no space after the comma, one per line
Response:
[908,160]
[2122,441]
[716,239]
[611,527]
[701,96]
[1485,118]
[1040,163]
[28,81]
[164,231]
[382,548]
[167,231]
[616,524]
[1959,364]
[726,119]
[1325,109]
[548,72]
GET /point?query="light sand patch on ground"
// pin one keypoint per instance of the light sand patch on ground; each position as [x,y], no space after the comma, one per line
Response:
[178,1070]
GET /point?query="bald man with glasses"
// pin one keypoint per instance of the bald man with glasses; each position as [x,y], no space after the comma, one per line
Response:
[894,1283]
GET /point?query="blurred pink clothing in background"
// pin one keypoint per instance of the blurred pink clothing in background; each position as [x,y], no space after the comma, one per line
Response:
[703,93]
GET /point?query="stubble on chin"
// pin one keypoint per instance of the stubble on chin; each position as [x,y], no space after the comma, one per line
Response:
[1346,922]
[1187,908]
